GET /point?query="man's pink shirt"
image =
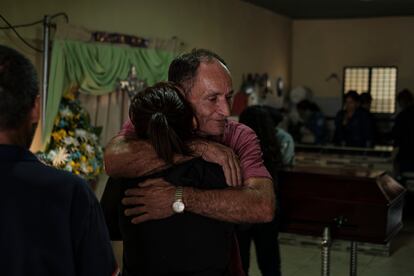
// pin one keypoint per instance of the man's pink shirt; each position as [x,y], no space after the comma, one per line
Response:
[241,139]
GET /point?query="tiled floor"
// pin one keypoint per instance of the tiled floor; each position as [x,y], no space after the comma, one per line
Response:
[306,261]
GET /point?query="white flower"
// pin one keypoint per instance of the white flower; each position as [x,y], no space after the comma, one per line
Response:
[93,137]
[84,168]
[65,112]
[89,149]
[68,168]
[68,140]
[81,134]
[60,158]
[51,155]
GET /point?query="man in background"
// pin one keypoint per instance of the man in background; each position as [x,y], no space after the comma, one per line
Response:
[51,222]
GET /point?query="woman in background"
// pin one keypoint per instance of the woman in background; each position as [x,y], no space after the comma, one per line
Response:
[264,235]
[353,126]
[313,130]
[284,139]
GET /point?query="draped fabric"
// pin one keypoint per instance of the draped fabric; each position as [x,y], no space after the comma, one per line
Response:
[96,68]
[108,111]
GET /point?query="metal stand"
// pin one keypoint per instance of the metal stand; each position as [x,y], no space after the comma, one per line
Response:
[326,244]
[353,261]
[325,254]
[46,41]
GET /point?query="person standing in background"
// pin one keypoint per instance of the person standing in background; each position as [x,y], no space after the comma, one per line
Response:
[285,140]
[353,127]
[403,133]
[366,103]
[264,235]
[313,130]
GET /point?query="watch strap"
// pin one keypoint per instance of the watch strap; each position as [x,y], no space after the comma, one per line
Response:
[179,193]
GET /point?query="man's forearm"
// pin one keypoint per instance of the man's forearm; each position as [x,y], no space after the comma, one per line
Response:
[132,157]
[126,157]
[252,203]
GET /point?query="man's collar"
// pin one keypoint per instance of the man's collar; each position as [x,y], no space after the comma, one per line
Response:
[10,153]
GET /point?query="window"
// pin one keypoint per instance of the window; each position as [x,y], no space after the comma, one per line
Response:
[380,82]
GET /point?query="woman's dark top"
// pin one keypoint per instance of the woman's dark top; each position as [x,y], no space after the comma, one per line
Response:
[358,132]
[183,244]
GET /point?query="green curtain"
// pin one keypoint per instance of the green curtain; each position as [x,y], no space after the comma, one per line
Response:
[96,68]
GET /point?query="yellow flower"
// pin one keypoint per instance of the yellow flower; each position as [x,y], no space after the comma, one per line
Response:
[70,96]
[56,136]
[57,120]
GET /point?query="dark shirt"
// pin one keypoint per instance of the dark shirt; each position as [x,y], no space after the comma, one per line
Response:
[403,135]
[317,125]
[183,244]
[51,222]
[358,132]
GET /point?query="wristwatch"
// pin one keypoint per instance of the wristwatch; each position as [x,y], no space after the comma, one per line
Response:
[178,204]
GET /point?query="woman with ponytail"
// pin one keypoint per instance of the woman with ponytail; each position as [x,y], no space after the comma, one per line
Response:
[161,115]
[185,243]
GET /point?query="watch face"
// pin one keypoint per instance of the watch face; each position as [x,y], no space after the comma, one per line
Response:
[178,206]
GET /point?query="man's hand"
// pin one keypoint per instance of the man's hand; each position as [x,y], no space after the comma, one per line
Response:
[222,155]
[152,200]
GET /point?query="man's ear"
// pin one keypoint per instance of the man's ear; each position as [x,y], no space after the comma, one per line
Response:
[35,112]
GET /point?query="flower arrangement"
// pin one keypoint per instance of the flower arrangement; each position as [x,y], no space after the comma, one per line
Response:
[74,143]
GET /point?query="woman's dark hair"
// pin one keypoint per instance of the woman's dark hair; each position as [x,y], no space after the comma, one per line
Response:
[161,115]
[274,113]
[258,118]
[183,69]
[18,88]
[365,98]
[307,105]
[353,95]
[405,97]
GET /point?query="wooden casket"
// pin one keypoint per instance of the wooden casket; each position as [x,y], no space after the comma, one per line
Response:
[357,204]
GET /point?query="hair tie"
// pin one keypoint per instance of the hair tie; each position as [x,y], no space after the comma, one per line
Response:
[160,118]
[157,114]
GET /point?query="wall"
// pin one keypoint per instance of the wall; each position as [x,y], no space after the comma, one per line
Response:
[323,47]
[249,38]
